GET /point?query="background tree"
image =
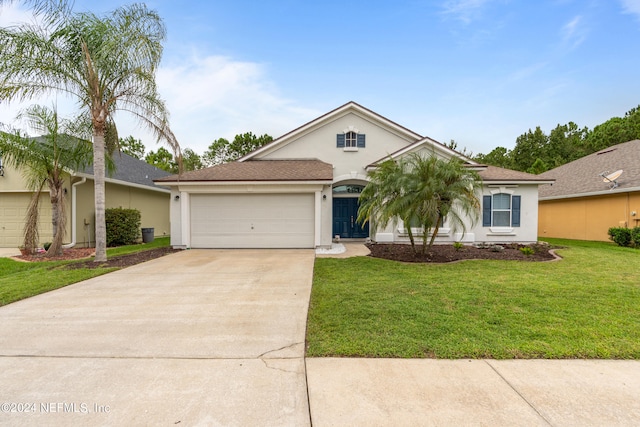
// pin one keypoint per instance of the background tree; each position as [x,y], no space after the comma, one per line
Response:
[420,191]
[133,147]
[45,161]
[162,159]
[107,63]
[537,152]
[223,151]
[499,156]
[191,161]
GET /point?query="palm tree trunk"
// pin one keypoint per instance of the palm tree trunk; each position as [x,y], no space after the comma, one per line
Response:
[31,234]
[58,218]
[99,190]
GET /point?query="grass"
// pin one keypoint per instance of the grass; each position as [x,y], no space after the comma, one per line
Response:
[585,306]
[19,280]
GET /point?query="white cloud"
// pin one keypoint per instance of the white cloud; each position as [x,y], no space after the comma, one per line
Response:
[464,10]
[216,97]
[631,7]
[574,32]
[11,14]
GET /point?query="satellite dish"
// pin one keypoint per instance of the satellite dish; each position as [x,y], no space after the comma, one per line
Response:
[611,178]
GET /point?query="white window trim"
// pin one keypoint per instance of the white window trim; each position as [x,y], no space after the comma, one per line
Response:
[347,130]
[503,231]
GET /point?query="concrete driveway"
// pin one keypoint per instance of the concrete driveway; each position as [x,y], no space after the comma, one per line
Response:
[201,337]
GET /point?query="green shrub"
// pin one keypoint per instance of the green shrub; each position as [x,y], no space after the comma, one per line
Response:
[527,250]
[123,226]
[46,246]
[620,235]
[458,245]
[635,237]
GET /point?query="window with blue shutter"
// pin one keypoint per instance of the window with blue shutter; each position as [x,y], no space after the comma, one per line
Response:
[501,210]
[350,140]
[486,211]
[515,211]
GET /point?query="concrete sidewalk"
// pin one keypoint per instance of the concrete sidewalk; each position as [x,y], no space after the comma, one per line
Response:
[428,392]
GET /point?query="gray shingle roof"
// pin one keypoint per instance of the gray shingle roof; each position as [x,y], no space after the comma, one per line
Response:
[582,176]
[132,170]
[259,170]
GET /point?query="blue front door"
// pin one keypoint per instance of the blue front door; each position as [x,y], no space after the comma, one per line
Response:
[345,212]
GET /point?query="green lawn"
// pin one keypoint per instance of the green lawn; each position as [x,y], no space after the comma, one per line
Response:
[585,306]
[19,280]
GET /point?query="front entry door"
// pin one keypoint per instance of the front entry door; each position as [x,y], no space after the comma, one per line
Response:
[345,212]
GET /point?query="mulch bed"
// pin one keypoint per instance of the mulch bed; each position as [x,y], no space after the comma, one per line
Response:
[448,253]
[119,261]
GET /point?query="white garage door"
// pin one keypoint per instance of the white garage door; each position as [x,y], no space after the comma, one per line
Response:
[13,209]
[252,221]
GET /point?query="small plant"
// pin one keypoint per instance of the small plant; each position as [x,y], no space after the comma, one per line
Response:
[458,246]
[527,250]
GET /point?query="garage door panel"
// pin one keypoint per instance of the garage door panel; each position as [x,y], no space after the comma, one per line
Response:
[252,221]
[13,210]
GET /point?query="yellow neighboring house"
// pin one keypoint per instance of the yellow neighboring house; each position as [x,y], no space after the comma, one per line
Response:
[592,194]
[130,186]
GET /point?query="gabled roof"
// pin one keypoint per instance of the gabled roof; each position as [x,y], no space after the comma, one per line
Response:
[583,177]
[130,170]
[332,115]
[258,170]
[425,142]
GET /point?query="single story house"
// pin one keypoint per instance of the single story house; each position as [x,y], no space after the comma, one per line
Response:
[301,190]
[130,186]
[592,194]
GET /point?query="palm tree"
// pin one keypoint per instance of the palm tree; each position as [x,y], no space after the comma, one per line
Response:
[107,64]
[421,191]
[45,161]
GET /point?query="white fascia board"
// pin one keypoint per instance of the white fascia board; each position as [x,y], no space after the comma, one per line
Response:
[126,183]
[506,182]
[230,183]
[593,193]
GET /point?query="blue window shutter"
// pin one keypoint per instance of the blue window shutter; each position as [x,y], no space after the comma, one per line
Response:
[486,211]
[360,140]
[340,140]
[515,211]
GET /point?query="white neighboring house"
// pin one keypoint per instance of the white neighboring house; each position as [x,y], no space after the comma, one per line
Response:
[301,190]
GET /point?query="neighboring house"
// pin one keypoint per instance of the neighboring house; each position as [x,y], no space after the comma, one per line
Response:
[301,190]
[582,204]
[130,186]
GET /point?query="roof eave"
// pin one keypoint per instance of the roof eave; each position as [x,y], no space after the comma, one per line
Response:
[126,183]
[254,182]
[592,193]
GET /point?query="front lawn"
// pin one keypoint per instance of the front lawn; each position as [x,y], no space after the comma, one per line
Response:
[585,306]
[19,280]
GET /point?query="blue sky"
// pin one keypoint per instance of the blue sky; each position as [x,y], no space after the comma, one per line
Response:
[480,72]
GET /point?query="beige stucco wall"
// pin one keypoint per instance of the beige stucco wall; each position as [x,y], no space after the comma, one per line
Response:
[320,143]
[14,199]
[153,207]
[588,218]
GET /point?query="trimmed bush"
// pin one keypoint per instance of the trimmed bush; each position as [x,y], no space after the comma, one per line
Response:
[620,235]
[123,226]
[635,237]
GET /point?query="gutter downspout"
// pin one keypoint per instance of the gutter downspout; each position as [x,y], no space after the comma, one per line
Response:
[73,212]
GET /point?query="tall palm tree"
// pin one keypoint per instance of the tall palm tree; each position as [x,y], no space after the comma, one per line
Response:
[45,161]
[421,191]
[107,63]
